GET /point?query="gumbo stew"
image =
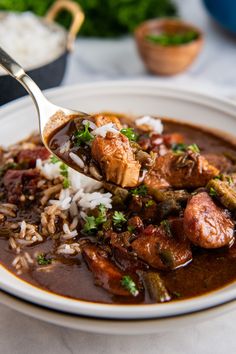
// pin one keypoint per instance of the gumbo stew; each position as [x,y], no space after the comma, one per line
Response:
[157,227]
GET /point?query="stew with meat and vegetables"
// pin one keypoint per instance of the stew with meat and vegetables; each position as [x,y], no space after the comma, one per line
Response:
[156,226]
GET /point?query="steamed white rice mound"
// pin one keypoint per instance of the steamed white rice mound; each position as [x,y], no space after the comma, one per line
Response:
[29,41]
[83,192]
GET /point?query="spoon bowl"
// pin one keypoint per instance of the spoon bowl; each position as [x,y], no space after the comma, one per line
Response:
[50,116]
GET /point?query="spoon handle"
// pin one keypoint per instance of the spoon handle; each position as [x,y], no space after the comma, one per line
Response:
[18,73]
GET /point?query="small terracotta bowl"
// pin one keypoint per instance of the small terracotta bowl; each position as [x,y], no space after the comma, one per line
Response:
[167,60]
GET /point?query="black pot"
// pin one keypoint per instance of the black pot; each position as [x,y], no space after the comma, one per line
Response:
[51,74]
[46,76]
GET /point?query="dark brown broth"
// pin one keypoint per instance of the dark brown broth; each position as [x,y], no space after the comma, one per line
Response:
[209,270]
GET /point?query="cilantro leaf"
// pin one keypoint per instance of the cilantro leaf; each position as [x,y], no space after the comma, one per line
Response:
[193,148]
[141,190]
[90,224]
[83,136]
[128,284]
[54,159]
[129,133]
[42,260]
[118,218]
[179,148]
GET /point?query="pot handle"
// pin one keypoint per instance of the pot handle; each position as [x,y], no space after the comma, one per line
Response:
[77,14]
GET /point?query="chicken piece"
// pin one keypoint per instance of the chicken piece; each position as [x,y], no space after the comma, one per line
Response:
[116,159]
[187,170]
[207,225]
[160,250]
[106,274]
[102,119]
[18,182]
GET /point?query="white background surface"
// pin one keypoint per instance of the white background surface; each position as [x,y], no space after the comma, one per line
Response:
[93,60]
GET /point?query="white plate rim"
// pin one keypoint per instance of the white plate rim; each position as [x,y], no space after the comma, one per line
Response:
[130,311]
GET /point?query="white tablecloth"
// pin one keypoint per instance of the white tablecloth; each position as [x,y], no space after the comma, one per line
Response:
[93,60]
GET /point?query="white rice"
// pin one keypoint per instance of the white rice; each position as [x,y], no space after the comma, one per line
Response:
[153,123]
[92,200]
[91,124]
[102,131]
[48,169]
[77,160]
[27,40]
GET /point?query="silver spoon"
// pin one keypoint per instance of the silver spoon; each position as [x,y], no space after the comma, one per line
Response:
[50,116]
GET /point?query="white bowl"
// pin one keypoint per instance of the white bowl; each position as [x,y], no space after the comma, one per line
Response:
[18,119]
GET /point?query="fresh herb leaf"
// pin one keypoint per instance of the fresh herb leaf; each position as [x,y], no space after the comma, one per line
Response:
[102,217]
[54,159]
[193,148]
[179,147]
[149,203]
[83,136]
[128,284]
[42,260]
[129,133]
[118,218]
[212,192]
[64,173]
[90,224]
[166,225]
[169,39]
[141,190]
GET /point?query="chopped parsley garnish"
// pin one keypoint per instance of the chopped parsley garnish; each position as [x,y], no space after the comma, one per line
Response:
[179,148]
[42,260]
[63,171]
[118,218]
[149,203]
[92,223]
[128,284]
[193,148]
[129,133]
[172,39]
[212,192]
[83,136]
[54,159]
[166,225]
[141,190]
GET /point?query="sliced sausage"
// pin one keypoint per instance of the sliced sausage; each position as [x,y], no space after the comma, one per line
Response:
[116,159]
[160,250]
[106,274]
[207,225]
[29,156]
